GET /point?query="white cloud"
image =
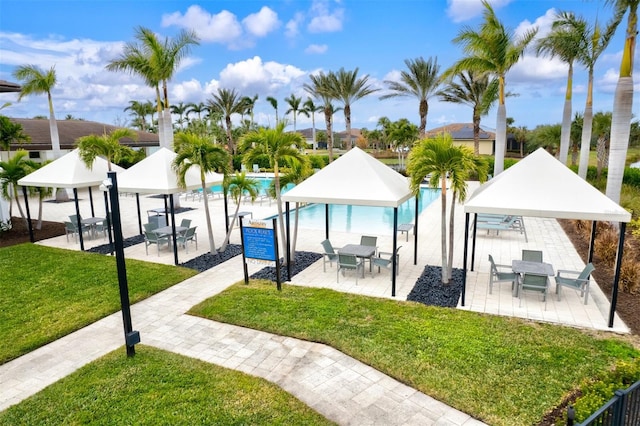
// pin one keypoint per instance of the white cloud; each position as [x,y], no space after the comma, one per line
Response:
[316,49]
[221,28]
[254,76]
[293,26]
[262,23]
[463,10]
[538,69]
[323,20]
[543,24]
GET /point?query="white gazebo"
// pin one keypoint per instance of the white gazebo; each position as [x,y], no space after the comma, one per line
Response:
[541,186]
[359,179]
[69,171]
[156,175]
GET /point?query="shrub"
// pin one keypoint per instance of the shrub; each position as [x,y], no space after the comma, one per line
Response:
[606,245]
[631,177]
[630,275]
[318,161]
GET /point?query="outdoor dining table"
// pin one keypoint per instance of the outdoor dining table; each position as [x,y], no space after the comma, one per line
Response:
[167,230]
[364,252]
[92,222]
[534,268]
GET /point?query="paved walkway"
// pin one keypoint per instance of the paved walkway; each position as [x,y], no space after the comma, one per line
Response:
[338,386]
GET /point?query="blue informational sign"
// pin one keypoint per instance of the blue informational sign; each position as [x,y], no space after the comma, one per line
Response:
[259,243]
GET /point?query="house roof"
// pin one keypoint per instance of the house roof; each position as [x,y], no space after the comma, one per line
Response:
[155,175]
[356,178]
[541,186]
[7,86]
[460,131]
[69,131]
[69,171]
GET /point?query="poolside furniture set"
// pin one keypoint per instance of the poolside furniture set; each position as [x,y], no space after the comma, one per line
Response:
[90,225]
[498,222]
[163,234]
[354,256]
[531,273]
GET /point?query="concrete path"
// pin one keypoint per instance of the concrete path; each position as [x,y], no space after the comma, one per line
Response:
[338,386]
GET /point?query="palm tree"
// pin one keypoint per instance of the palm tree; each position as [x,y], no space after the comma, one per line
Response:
[596,42]
[228,102]
[139,112]
[156,62]
[348,88]
[622,102]
[198,108]
[11,171]
[294,107]
[436,159]
[477,90]
[312,108]
[36,82]
[602,128]
[421,81]
[274,103]
[566,42]
[180,109]
[193,150]
[493,49]
[239,185]
[320,88]
[11,132]
[250,103]
[107,146]
[278,148]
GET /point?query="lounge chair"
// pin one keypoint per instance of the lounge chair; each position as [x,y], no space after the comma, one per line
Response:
[581,282]
[539,283]
[329,255]
[498,276]
[256,168]
[385,260]
[349,262]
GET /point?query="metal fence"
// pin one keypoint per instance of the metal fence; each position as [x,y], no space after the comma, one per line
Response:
[621,410]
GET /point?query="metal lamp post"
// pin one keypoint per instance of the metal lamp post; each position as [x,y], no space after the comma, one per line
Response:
[131,337]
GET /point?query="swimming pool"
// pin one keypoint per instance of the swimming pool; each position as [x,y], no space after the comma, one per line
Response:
[363,219]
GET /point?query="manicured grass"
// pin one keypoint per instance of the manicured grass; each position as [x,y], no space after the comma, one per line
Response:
[504,371]
[160,388]
[46,293]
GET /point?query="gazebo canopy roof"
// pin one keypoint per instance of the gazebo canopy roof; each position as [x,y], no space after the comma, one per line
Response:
[356,178]
[541,186]
[69,171]
[155,175]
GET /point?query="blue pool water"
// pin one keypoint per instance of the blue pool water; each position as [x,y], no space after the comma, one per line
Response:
[363,219]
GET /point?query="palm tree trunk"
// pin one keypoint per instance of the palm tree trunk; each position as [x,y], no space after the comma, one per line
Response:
[476,132]
[565,132]
[15,195]
[276,181]
[443,229]
[40,198]
[313,130]
[168,128]
[212,246]
[451,222]
[347,121]
[501,137]
[295,234]
[327,119]
[620,130]
[585,143]
[233,222]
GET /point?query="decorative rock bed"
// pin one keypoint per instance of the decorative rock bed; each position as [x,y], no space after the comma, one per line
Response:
[429,289]
[303,260]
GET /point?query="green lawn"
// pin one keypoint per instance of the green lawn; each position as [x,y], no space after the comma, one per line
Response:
[46,293]
[504,371]
[160,388]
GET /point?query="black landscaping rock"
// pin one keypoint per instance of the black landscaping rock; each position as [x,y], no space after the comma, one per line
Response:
[430,290]
[303,260]
[208,261]
[127,242]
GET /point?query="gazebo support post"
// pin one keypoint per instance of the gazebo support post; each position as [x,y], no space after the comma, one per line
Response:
[93,212]
[139,213]
[226,212]
[288,248]
[616,276]
[592,241]
[26,204]
[108,219]
[78,219]
[394,262]
[464,258]
[326,221]
[166,208]
[173,228]
[415,232]
[473,247]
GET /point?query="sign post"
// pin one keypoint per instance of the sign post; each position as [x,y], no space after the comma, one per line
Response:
[260,245]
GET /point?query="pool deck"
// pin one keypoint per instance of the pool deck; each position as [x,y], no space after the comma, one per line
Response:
[339,387]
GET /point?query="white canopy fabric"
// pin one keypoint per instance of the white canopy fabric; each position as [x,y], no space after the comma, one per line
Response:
[155,175]
[356,178]
[69,171]
[541,186]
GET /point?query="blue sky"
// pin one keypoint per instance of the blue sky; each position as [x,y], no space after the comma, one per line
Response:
[269,48]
